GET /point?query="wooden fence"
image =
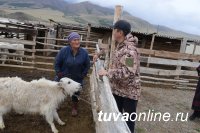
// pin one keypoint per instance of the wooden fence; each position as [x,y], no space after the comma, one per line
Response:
[37,58]
[103,100]
[163,68]
[157,67]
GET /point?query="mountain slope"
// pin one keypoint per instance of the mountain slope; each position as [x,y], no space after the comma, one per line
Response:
[55,4]
[77,13]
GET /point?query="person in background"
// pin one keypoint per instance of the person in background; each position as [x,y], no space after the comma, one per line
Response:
[196,100]
[124,73]
[72,61]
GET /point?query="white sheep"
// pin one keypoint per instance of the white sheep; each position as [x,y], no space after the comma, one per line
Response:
[38,96]
[15,48]
[19,50]
[4,49]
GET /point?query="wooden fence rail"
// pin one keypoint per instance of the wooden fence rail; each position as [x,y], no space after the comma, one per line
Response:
[170,55]
[36,57]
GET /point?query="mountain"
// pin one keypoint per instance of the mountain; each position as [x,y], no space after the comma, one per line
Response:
[55,4]
[78,13]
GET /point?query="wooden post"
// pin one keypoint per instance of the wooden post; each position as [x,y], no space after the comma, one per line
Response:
[6,33]
[117,16]
[17,33]
[88,34]
[45,42]
[143,42]
[183,45]
[58,34]
[33,49]
[195,45]
[182,50]
[100,42]
[33,53]
[152,43]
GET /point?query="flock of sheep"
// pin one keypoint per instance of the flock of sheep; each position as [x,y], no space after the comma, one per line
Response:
[16,49]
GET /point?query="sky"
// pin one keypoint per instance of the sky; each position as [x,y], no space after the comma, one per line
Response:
[183,15]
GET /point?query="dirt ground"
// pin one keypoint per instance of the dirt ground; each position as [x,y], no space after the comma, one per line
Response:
[159,99]
[16,123]
[167,100]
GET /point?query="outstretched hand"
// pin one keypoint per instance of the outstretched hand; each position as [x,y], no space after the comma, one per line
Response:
[95,57]
[102,72]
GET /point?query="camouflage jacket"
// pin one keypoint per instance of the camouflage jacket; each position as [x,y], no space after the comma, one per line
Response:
[124,73]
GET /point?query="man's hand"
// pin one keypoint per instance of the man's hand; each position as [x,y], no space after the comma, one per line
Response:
[102,72]
[95,57]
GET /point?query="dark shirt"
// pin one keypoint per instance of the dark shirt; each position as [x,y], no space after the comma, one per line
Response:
[72,66]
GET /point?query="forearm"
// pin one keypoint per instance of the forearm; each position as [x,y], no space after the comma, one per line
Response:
[57,68]
[101,53]
[121,73]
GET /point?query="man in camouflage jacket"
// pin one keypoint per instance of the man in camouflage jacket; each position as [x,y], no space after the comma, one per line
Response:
[124,73]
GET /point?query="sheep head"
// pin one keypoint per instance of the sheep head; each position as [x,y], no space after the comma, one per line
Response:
[69,86]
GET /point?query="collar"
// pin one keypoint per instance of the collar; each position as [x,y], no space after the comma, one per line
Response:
[79,50]
[120,45]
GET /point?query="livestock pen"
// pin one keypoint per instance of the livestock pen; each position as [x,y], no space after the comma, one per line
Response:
[164,64]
